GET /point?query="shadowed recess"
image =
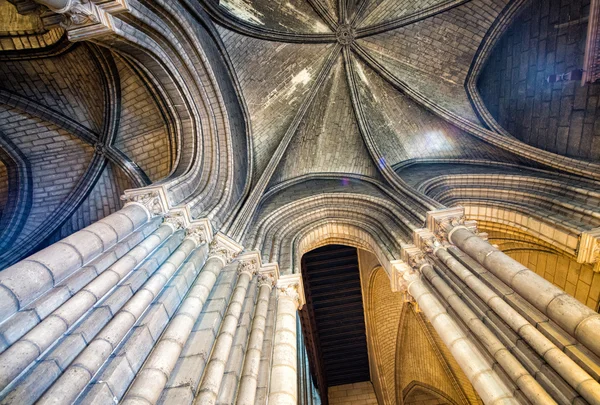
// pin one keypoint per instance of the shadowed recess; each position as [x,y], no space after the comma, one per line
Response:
[334,300]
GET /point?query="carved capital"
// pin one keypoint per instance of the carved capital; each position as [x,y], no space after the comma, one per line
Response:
[266,279]
[440,222]
[197,234]
[291,287]
[224,248]
[249,267]
[150,201]
[403,274]
[83,19]
[589,248]
[175,220]
[413,256]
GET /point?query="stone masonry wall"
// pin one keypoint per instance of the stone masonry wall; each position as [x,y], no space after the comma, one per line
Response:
[548,38]
[143,134]
[353,394]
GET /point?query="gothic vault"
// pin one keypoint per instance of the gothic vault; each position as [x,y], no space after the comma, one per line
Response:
[300,202]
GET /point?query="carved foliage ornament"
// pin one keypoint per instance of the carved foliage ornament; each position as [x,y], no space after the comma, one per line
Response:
[217,249]
[80,12]
[290,291]
[197,234]
[150,201]
[266,279]
[248,266]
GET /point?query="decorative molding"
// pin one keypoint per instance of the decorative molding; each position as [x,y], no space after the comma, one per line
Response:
[267,272]
[589,248]
[197,233]
[175,220]
[150,199]
[399,267]
[224,248]
[249,267]
[436,219]
[291,286]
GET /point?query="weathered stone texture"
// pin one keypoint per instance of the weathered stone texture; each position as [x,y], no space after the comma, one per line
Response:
[58,160]
[142,133]
[559,117]
[70,84]
[295,16]
[380,11]
[328,139]
[275,90]
[102,201]
[404,131]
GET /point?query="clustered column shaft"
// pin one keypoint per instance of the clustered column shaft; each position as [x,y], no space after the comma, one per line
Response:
[578,320]
[213,375]
[581,381]
[283,387]
[530,387]
[153,377]
[484,379]
[248,382]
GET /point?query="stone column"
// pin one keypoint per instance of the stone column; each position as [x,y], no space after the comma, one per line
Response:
[283,389]
[17,357]
[248,382]
[513,368]
[75,378]
[574,317]
[486,382]
[157,369]
[23,282]
[574,375]
[213,375]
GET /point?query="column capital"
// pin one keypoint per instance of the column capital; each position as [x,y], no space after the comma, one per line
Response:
[441,222]
[291,286]
[249,267]
[403,274]
[175,220]
[437,220]
[154,201]
[224,248]
[588,250]
[83,19]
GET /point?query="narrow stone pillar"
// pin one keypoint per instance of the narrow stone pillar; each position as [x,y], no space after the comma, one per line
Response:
[17,357]
[23,282]
[574,317]
[283,389]
[153,377]
[574,375]
[486,382]
[248,382]
[513,368]
[75,378]
[213,375]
